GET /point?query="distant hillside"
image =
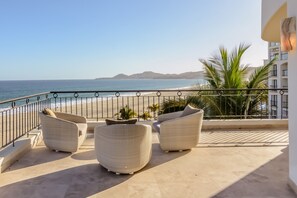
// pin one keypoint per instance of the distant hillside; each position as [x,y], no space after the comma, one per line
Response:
[153,75]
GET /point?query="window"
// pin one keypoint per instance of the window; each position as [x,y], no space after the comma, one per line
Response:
[274,70]
[273,84]
[272,44]
[274,100]
[284,56]
[285,101]
[274,113]
[276,56]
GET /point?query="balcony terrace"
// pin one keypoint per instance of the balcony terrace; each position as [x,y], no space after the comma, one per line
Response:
[233,163]
[234,158]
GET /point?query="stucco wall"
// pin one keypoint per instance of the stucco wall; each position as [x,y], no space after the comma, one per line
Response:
[272,10]
[292,79]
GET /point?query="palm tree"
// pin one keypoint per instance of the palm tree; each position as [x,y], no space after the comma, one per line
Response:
[226,71]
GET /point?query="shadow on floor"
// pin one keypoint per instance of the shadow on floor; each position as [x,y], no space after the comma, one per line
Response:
[80,181]
[34,158]
[158,156]
[243,137]
[261,183]
[87,155]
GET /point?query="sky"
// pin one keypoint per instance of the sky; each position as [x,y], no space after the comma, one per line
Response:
[79,39]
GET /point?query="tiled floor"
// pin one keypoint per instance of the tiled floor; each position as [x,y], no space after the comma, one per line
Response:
[226,164]
[245,138]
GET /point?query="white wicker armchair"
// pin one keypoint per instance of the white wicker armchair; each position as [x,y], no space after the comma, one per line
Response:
[179,133]
[65,133]
[123,148]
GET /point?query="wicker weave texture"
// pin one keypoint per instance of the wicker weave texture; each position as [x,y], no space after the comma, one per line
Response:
[61,134]
[123,148]
[181,133]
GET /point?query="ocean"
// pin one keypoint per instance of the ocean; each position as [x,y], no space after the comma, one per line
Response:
[14,89]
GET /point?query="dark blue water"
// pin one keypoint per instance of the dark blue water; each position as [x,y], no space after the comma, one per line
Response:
[13,89]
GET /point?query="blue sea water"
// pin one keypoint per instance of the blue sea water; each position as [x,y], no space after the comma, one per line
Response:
[14,89]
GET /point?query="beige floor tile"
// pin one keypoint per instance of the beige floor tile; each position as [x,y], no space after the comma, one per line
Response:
[215,170]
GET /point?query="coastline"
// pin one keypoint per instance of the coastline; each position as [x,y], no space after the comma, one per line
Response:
[93,108]
[15,89]
[106,107]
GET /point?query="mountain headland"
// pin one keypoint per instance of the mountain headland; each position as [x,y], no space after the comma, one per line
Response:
[153,75]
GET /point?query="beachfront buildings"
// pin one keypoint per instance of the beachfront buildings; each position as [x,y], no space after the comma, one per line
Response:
[278,78]
[273,12]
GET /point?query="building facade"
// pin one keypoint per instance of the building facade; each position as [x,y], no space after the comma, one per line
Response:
[273,12]
[278,78]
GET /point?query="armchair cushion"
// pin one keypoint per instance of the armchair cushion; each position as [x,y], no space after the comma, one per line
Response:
[189,110]
[169,116]
[47,111]
[112,122]
[156,126]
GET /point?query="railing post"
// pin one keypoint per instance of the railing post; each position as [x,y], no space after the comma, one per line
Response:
[158,95]
[97,112]
[138,94]
[117,94]
[281,96]
[12,106]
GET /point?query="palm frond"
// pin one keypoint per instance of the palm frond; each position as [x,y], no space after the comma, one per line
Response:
[260,75]
[211,74]
[225,70]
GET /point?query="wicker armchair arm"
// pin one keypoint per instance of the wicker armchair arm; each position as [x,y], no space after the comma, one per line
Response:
[62,135]
[179,123]
[71,117]
[169,116]
[181,133]
[60,123]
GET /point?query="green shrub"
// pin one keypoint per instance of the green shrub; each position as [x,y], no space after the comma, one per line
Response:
[126,113]
[154,108]
[171,105]
[146,115]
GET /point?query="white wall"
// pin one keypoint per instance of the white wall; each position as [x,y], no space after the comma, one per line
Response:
[292,81]
[271,11]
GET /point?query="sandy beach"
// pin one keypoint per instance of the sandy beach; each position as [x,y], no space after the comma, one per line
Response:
[106,107]
[15,123]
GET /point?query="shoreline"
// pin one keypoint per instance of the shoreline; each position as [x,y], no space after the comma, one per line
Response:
[108,106]
[93,109]
[15,89]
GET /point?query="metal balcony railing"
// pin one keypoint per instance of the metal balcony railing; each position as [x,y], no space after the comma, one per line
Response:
[20,115]
[285,105]
[273,88]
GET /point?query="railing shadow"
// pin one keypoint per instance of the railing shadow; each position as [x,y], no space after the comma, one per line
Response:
[80,181]
[244,138]
[26,161]
[267,181]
